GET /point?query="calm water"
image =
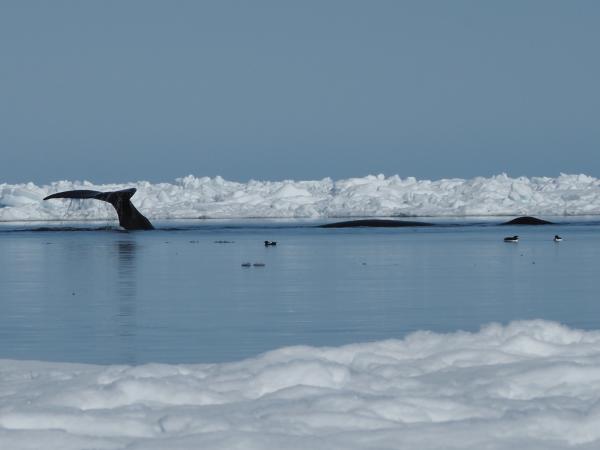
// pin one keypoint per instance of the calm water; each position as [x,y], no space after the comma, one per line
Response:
[107,296]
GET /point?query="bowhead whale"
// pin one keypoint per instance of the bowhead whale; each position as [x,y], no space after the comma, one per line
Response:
[375,223]
[129,217]
[527,220]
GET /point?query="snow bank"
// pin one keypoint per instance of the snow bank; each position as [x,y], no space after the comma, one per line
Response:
[527,385]
[371,196]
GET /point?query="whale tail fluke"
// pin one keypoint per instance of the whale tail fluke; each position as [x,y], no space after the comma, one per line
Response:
[129,217]
[74,194]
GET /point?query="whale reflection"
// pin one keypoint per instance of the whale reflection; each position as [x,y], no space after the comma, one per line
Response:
[126,287]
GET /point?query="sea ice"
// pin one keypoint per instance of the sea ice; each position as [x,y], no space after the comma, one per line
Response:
[526,385]
[370,196]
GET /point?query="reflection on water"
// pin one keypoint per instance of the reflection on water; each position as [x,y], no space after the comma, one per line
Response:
[177,296]
[126,295]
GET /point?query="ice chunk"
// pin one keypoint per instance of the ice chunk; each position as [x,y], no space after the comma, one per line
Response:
[528,384]
[371,196]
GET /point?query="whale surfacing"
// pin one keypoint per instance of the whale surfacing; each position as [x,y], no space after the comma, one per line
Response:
[375,223]
[527,220]
[129,217]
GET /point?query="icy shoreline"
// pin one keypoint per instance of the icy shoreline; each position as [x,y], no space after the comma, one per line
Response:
[529,384]
[370,196]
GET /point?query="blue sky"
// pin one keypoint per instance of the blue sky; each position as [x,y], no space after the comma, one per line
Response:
[147,90]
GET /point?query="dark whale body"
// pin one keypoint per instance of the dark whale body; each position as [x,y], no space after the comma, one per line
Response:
[527,220]
[129,217]
[375,223]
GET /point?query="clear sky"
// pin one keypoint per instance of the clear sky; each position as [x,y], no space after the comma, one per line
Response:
[154,90]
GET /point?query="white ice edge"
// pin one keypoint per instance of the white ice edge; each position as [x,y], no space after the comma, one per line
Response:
[370,196]
[526,385]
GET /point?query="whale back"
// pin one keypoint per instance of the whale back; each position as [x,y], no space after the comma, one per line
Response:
[527,220]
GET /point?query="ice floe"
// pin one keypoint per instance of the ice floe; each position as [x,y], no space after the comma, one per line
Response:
[525,385]
[371,196]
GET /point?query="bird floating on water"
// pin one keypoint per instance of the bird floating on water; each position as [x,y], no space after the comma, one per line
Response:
[270,243]
[511,239]
[557,238]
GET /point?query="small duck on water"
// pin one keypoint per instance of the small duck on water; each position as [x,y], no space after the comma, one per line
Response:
[557,238]
[270,243]
[511,239]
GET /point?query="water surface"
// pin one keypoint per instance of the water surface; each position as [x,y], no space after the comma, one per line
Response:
[176,295]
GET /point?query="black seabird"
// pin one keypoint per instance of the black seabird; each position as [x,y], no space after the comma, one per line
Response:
[129,217]
[511,239]
[557,238]
[270,243]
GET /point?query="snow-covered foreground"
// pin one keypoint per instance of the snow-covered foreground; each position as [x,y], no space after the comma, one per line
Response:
[191,197]
[527,385]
